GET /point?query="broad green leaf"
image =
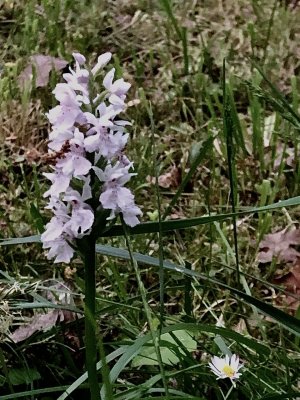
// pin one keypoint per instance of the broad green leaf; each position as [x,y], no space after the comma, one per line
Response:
[148,355]
[20,376]
[222,345]
[121,253]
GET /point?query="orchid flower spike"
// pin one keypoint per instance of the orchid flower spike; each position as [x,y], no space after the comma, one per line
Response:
[87,143]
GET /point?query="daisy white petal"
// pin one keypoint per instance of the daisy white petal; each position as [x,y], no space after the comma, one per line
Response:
[227,367]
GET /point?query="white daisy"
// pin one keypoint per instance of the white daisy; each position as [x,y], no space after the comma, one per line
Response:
[227,367]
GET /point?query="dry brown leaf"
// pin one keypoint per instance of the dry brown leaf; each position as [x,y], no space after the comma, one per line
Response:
[241,327]
[33,155]
[284,154]
[40,322]
[291,281]
[171,179]
[42,65]
[177,214]
[58,293]
[278,245]
[69,273]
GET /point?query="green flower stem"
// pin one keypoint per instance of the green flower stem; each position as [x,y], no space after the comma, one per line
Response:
[90,322]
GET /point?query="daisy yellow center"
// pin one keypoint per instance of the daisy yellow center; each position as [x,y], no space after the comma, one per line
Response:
[228,371]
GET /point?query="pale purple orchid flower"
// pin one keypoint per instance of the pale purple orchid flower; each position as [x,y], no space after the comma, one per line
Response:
[84,137]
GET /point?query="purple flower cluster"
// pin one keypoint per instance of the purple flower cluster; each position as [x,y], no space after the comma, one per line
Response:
[87,143]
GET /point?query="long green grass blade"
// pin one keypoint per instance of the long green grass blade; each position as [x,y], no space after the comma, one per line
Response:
[275,98]
[155,334]
[37,305]
[153,227]
[20,240]
[75,385]
[286,320]
[186,397]
[166,4]
[229,129]
[34,392]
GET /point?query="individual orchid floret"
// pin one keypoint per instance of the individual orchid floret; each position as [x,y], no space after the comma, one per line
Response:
[227,367]
[58,137]
[114,175]
[78,79]
[74,163]
[54,237]
[70,222]
[81,217]
[86,189]
[104,136]
[67,96]
[59,249]
[115,196]
[54,228]
[130,214]
[63,117]
[79,58]
[106,144]
[60,182]
[119,87]
[103,59]
[80,222]
[69,111]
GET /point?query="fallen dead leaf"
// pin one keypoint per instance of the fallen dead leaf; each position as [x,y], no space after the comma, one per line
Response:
[171,179]
[42,65]
[284,154]
[291,281]
[40,322]
[279,246]
[59,293]
[177,214]
[69,273]
[241,327]
[33,155]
